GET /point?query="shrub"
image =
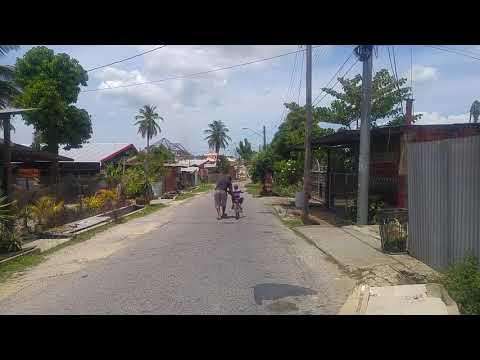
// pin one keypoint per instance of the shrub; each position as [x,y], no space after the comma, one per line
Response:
[91,204]
[261,163]
[46,211]
[286,172]
[462,281]
[286,190]
[374,205]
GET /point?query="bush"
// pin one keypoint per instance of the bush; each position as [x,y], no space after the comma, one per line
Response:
[462,281]
[374,205]
[46,211]
[286,191]
[261,163]
[286,173]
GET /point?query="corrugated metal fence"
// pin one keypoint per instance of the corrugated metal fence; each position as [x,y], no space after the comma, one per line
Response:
[444,200]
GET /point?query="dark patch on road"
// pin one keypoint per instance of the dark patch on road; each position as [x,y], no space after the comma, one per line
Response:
[282,306]
[270,291]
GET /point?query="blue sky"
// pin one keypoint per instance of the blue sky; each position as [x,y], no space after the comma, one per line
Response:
[444,85]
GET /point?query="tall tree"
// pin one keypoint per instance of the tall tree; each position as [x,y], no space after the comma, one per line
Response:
[217,136]
[8,90]
[147,123]
[387,97]
[51,82]
[475,111]
[244,150]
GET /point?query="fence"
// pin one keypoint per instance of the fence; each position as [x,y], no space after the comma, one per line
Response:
[444,200]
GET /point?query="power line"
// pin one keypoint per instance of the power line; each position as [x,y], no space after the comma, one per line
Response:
[290,86]
[129,58]
[345,74]
[449,50]
[198,73]
[333,77]
[394,73]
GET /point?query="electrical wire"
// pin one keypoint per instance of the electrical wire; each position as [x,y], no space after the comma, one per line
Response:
[333,77]
[198,73]
[449,50]
[394,75]
[129,58]
[333,86]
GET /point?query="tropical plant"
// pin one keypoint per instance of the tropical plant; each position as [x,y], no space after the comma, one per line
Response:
[137,184]
[475,111]
[244,150]
[46,211]
[217,136]
[147,123]
[5,215]
[8,90]
[51,82]
[91,204]
[387,97]
[107,198]
[112,175]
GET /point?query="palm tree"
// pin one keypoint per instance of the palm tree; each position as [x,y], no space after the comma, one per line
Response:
[217,136]
[475,111]
[7,88]
[146,122]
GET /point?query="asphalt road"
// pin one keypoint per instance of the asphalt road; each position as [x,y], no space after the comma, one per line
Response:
[181,260]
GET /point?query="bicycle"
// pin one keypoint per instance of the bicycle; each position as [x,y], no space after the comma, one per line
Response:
[236,206]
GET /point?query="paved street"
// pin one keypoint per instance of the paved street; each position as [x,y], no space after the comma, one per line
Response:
[181,260]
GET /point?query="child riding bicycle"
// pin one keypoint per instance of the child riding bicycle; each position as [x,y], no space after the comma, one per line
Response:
[236,197]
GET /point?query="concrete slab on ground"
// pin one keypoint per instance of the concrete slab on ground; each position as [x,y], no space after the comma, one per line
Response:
[420,299]
[344,247]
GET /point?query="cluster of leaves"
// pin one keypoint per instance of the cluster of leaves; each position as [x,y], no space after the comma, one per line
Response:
[462,281]
[261,163]
[387,97]
[374,206]
[136,184]
[244,150]
[286,172]
[102,200]
[51,82]
[46,211]
[217,135]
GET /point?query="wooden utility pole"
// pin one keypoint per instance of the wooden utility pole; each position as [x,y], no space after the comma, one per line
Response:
[308,136]
[364,53]
[7,165]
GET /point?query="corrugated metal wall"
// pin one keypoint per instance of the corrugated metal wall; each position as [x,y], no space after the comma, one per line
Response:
[444,200]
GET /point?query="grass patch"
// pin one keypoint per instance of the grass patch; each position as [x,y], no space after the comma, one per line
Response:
[462,282]
[191,193]
[25,262]
[253,188]
[292,222]
[20,264]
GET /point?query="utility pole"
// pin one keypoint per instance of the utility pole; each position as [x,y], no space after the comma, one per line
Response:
[264,139]
[364,53]
[7,165]
[308,135]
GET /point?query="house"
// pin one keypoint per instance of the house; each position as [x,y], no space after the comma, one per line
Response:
[185,173]
[30,167]
[176,148]
[92,157]
[334,178]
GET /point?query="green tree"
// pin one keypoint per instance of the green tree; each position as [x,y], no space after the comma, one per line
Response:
[244,150]
[387,97]
[147,123]
[217,136]
[156,158]
[51,82]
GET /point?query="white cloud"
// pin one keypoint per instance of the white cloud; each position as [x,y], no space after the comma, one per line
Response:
[434,118]
[421,74]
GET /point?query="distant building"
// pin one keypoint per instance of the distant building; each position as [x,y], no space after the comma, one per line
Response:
[176,148]
[92,157]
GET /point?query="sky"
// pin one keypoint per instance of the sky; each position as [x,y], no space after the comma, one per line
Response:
[251,96]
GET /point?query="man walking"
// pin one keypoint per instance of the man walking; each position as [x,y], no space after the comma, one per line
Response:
[224,186]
